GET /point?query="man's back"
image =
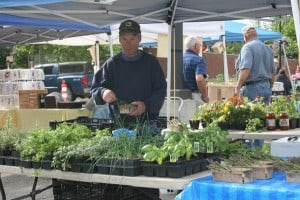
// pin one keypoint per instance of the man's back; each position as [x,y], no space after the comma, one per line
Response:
[259,58]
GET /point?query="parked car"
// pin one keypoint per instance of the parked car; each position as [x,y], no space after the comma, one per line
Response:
[77,75]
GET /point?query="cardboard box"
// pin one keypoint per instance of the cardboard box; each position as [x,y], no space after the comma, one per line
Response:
[29,99]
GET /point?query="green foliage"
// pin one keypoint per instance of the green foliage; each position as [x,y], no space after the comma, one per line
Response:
[234,47]
[3,53]
[220,78]
[254,124]
[288,30]
[10,137]
[42,142]
[47,53]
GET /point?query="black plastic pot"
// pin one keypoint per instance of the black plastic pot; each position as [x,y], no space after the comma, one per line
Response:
[293,123]
[194,124]
[36,164]
[15,153]
[9,161]
[25,163]
[298,122]
[223,126]
[46,164]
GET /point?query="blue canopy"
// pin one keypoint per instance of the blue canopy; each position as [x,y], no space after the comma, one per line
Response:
[13,3]
[233,33]
[18,30]
[12,20]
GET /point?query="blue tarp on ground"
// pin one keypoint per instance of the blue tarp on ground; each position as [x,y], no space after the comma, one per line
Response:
[276,188]
[233,33]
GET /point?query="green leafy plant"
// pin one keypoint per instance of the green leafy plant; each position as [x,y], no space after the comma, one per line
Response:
[220,78]
[10,137]
[254,124]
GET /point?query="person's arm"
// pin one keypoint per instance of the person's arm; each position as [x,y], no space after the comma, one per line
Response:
[159,90]
[276,76]
[201,83]
[100,85]
[200,74]
[243,75]
[273,80]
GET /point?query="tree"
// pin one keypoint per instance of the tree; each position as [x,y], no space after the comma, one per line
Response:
[4,51]
[47,53]
[288,30]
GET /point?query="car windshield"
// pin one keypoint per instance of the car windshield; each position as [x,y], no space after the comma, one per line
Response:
[71,68]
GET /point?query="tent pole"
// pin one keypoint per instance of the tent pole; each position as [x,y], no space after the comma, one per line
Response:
[226,76]
[97,56]
[296,16]
[169,70]
[111,50]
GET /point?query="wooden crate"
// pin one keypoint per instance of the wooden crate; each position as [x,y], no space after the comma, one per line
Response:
[217,91]
[292,176]
[237,175]
[29,99]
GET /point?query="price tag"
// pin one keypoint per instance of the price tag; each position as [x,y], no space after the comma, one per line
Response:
[173,158]
[197,146]
[210,147]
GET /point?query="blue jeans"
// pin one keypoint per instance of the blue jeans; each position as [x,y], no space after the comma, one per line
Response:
[255,143]
[261,89]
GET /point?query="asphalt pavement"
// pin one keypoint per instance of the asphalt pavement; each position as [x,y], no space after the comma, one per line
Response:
[17,185]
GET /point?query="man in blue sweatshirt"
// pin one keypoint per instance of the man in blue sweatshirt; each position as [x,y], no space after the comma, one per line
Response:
[132,76]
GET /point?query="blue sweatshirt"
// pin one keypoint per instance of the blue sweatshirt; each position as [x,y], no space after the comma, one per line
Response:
[137,79]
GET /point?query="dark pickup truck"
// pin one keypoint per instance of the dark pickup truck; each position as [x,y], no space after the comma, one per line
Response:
[78,76]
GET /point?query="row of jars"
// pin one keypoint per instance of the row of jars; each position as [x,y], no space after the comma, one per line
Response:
[284,122]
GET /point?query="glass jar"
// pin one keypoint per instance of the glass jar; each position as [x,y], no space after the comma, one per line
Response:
[284,121]
[270,121]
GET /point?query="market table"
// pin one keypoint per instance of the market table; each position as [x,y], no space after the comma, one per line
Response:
[27,119]
[136,181]
[276,188]
[267,135]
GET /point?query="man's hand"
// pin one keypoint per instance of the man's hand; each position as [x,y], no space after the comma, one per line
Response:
[205,98]
[140,108]
[109,96]
[237,91]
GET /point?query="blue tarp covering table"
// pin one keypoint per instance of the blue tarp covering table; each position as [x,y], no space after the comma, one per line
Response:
[276,188]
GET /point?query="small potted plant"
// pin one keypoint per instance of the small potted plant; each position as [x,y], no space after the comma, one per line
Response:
[195,121]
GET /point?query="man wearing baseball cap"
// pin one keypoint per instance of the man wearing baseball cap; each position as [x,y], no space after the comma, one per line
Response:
[131,76]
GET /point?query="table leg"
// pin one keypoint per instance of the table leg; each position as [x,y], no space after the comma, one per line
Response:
[33,192]
[2,189]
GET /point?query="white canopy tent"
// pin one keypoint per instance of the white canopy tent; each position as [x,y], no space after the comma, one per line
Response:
[107,12]
[149,33]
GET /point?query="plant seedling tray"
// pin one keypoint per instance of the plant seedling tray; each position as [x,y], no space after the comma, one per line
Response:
[237,175]
[120,167]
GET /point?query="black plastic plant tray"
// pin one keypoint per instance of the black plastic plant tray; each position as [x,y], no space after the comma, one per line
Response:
[120,170]
[25,163]
[46,164]
[2,160]
[36,164]
[175,170]
[9,161]
[91,123]
[70,104]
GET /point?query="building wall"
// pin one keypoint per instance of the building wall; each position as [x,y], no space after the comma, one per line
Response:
[215,64]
